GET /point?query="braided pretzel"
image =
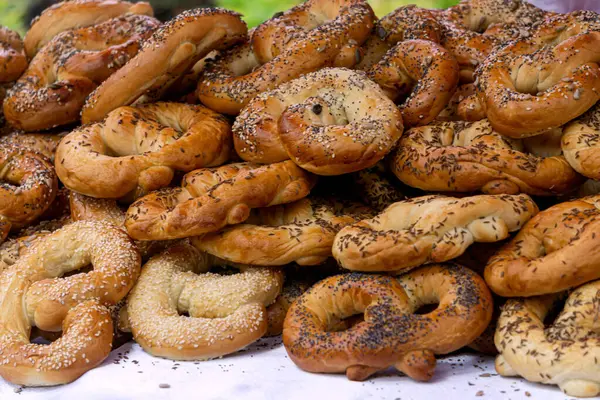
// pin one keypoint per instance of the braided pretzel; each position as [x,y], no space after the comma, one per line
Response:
[465,157]
[53,89]
[168,55]
[138,149]
[12,56]
[212,198]
[429,229]
[391,333]
[300,232]
[546,255]
[32,294]
[75,14]
[178,281]
[43,143]
[331,122]
[565,353]
[580,143]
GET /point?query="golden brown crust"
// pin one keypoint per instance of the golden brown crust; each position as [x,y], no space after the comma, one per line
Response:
[580,143]
[43,143]
[12,55]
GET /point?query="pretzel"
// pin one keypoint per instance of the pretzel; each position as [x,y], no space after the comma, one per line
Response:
[43,143]
[420,72]
[329,122]
[391,333]
[226,312]
[75,14]
[33,294]
[300,232]
[169,54]
[429,229]
[564,353]
[546,81]
[138,149]
[580,143]
[546,256]
[12,56]
[466,157]
[212,198]
[53,89]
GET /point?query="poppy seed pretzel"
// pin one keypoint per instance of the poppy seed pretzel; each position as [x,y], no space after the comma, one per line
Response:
[429,229]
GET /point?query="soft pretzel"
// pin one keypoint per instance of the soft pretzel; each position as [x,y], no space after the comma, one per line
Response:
[421,73]
[12,55]
[169,54]
[43,143]
[565,353]
[329,122]
[53,89]
[391,333]
[533,85]
[429,229]
[138,149]
[556,250]
[300,232]
[33,294]
[226,312]
[581,143]
[212,198]
[466,157]
[75,14]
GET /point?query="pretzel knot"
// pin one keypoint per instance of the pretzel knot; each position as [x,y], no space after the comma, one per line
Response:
[564,353]
[546,255]
[429,229]
[32,293]
[137,150]
[53,89]
[178,281]
[12,56]
[392,334]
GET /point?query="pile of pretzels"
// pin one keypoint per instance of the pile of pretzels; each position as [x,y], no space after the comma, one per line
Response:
[370,189]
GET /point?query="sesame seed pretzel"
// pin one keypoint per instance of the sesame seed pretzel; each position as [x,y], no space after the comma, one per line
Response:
[581,143]
[429,229]
[391,334]
[466,157]
[12,55]
[33,294]
[54,87]
[170,53]
[226,312]
[138,149]
[556,250]
[565,353]
[329,122]
[43,143]
[211,198]
[300,232]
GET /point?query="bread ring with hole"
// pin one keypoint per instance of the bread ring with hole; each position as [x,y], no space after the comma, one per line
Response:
[12,55]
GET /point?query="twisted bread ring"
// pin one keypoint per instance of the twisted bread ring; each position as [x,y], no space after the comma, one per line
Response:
[580,143]
[429,229]
[75,14]
[391,333]
[546,255]
[565,353]
[164,58]
[12,56]
[300,232]
[138,149]
[53,89]
[465,157]
[329,122]
[212,198]
[178,281]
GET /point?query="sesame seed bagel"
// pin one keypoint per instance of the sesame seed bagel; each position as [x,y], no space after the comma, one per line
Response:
[581,143]
[564,353]
[12,55]
[471,156]
[421,74]
[329,122]
[555,251]
[138,149]
[212,198]
[170,53]
[429,229]
[392,334]
[226,312]
[54,87]
[75,14]
[300,232]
